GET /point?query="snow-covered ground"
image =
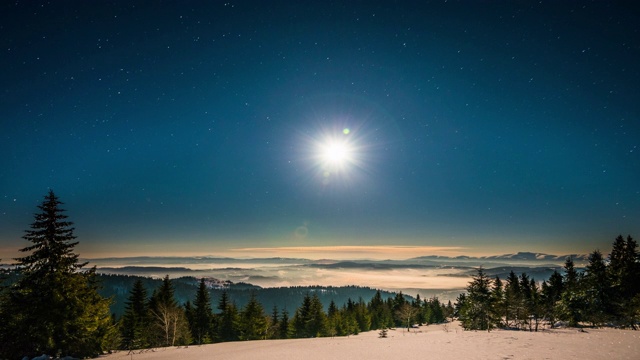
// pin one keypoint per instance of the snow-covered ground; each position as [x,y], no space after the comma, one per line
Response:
[428,342]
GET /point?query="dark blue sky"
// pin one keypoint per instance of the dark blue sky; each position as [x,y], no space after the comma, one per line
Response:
[193,127]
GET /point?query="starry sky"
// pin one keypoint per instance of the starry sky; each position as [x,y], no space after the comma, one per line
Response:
[200,127]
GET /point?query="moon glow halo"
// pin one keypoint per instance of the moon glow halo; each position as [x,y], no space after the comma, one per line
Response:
[336,153]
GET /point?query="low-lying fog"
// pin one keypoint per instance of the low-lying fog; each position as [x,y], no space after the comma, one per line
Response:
[444,278]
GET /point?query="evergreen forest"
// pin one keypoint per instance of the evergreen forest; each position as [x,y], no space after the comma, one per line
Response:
[52,303]
[605,292]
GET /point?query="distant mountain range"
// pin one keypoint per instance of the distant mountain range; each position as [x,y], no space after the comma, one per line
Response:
[519,256]
[164,261]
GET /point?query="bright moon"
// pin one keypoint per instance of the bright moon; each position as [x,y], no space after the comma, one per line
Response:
[336,153]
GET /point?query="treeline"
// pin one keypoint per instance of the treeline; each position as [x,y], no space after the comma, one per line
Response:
[51,304]
[158,320]
[117,287]
[607,292]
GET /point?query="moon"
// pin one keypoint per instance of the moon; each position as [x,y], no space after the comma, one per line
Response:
[336,153]
[336,156]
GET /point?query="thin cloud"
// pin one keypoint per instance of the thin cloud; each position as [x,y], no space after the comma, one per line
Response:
[349,251]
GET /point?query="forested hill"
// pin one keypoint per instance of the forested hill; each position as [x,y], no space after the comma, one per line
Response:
[118,288]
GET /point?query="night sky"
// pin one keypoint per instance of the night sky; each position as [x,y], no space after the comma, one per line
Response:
[199,128]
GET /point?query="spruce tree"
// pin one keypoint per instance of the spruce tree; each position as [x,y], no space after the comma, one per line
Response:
[284,329]
[317,319]
[274,322]
[362,316]
[449,311]
[334,320]
[202,315]
[631,283]
[377,308]
[421,310]
[536,310]
[526,301]
[596,289]
[624,272]
[551,293]
[513,300]
[190,316]
[253,324]
[300,318]
[136,321]
[460,303]
[435,311]
[475,313]
[333,309]
[54,307]
[498,302]
[309,319]
[396,304]
[571,301]
[227,319]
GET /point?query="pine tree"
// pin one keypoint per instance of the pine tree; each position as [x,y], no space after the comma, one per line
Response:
[309,319]
[460,303]
[596,289]
[526,301]
[300,318]
[624,271]
[449,311]
[362,316]
[435,311]
[571,275]
[317,324]
[551,293]
[227,319]
[54,307]
[202,315]
[380,314]
[536,310]
[283,327]
[136,321]
[396,304]
[334,320]
[475,313]
[274,323]
[421,310]
[497,298]
[571,301]
[631,313]
[253,324]
[333,309]
[513,300]
[190,316]
[52,238]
